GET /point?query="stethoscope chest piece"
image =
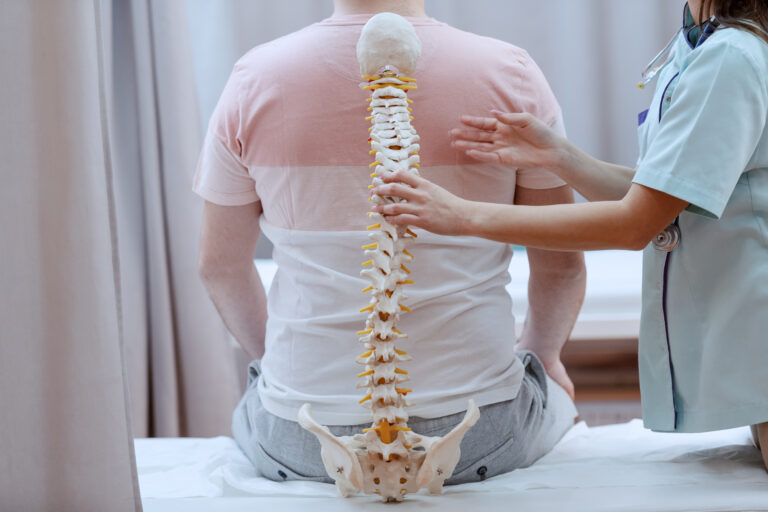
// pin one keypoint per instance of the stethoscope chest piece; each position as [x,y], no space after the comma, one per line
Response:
[668,239]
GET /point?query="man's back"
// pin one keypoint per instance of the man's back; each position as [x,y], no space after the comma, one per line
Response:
[290,131]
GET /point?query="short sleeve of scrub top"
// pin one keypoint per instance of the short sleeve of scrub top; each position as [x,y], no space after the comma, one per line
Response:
[707,136]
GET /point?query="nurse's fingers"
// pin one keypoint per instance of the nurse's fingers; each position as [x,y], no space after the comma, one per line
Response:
[404,220]
[522,120]
[395,190]
[466,145]
[488,124]
[401,176]
[485,156]
[396,209]
[473,134]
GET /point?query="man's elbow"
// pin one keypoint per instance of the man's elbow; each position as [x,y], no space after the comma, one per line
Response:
[212,272]
[569,266]
[207,271]
[575,268]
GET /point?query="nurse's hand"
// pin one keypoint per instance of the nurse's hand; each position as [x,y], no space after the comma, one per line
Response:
[517,140]
[429,206]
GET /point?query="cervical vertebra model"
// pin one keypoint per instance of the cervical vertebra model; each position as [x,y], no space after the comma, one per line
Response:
[384,459]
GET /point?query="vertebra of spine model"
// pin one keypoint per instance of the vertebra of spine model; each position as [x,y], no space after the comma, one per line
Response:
[388,459]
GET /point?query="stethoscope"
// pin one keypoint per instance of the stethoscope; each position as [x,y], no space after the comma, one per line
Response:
[662,59]
[668,239]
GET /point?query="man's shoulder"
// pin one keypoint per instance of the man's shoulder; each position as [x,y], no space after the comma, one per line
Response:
[485,58]
[319,45]
[485,48]
[279,52]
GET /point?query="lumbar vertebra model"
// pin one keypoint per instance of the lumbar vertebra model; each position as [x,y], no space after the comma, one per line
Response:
[388,459]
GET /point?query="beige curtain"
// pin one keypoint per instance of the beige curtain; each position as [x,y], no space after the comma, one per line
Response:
[65,441]
[183,370]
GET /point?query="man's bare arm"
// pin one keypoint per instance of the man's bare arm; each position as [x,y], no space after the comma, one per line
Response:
[555,292]
[227,244]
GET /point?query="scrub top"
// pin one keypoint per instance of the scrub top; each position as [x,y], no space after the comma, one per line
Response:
[703,352]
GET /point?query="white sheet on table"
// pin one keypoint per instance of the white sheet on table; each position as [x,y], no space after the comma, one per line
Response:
[617,467]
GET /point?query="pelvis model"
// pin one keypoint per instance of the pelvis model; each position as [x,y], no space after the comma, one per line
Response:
[388,458]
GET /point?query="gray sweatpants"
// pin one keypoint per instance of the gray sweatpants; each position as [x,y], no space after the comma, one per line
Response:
[508,435]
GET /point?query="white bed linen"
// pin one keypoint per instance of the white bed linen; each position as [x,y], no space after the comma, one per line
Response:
[612,468]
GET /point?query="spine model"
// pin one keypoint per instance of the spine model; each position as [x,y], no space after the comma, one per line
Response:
[394,142]
[388,459]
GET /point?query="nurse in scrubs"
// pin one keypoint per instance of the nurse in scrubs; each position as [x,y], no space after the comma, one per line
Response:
[697,203]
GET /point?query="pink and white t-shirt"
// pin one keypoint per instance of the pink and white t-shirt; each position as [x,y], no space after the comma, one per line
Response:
[290,131]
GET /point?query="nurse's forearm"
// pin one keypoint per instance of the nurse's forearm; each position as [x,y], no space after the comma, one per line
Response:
[568,227]
[592,178]
[630,223]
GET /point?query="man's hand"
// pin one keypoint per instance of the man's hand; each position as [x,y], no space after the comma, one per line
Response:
[556,370]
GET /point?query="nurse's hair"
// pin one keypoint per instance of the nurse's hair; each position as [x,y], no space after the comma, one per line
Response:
[749,15]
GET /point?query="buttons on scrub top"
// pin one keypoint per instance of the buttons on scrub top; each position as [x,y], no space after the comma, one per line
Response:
[667,239]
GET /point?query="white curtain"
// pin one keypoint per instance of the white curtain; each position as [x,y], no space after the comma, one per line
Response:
[65,441]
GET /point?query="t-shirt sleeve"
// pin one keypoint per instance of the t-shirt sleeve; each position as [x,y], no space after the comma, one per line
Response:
[222,177]
[709,134]
[536,97]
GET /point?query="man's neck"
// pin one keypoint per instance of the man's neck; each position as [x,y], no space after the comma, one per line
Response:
[412,8]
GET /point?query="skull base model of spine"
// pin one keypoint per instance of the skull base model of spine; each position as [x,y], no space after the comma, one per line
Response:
[388,459]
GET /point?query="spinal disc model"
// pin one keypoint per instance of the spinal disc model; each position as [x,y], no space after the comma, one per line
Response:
[388,459]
